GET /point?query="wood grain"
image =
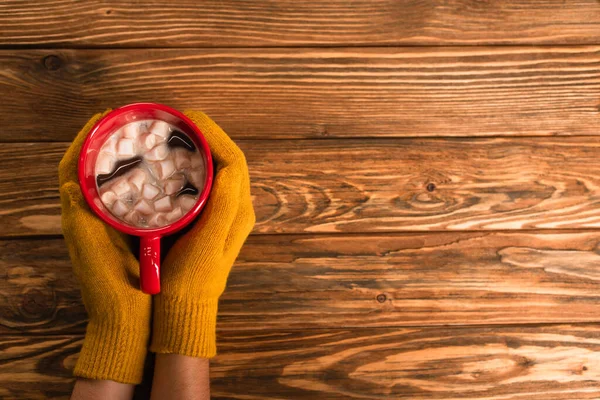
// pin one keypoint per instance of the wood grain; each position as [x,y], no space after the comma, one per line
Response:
[363,186]
[392,259]
[187,23]
[312,93]
[545,363]
[306,281]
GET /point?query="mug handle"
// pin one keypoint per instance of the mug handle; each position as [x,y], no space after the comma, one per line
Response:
[150,264]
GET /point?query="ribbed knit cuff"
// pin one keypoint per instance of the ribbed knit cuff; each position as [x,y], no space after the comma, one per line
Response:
[184,327]
[112,352]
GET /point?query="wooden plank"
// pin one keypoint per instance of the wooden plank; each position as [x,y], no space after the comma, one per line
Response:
[367,185]
[213,23]
[312,93]
[287,281]
[545,363]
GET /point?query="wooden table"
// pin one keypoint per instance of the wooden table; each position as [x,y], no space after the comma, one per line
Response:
[426,178]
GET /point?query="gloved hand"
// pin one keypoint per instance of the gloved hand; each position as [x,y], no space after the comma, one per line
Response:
[195,270]
[119,313]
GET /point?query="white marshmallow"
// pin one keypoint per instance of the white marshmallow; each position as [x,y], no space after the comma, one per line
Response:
[187,202]
[197,177]
[157,220]
[197,160]
[149,191]
[125,148]
[119,208]
[108,198]
[137,178]
[163,204]
[174,185]
[148,141]
[160,128]
[131,131]
[158,153]
[181,158]
[105,163]
[132,217]
[174,215]
[164,169]
[143,207]
[121,187]
[110,146]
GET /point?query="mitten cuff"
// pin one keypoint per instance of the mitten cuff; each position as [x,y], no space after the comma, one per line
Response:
[112,352]
[184,327]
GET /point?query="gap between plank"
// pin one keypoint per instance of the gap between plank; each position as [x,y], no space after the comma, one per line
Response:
[292,46]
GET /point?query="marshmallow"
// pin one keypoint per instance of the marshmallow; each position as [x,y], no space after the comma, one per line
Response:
[149,191]
[174,185]
[143,207]
[158,153]
[148,141]
[125,148]
[133,217]
[164,169]
[110,146]
[119,208]
[187,202]
[137,179]
[131,131]
[197,160]
[174,215]
[197,177]
[157,220]
[160,128]
[105,163]
[108,198]
[181,158]
[163,204]
[121,187]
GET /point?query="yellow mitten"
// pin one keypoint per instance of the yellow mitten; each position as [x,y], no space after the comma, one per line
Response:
[195,270]
[119,313]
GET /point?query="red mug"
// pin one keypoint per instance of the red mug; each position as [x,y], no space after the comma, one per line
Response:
[149,237]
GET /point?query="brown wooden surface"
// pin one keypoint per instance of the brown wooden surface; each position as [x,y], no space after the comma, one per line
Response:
[425,176]
[368,185]
[235,23]
[315,93]
[545,363]
[321,281]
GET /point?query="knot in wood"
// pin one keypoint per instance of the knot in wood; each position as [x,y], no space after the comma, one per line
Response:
[52,62]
